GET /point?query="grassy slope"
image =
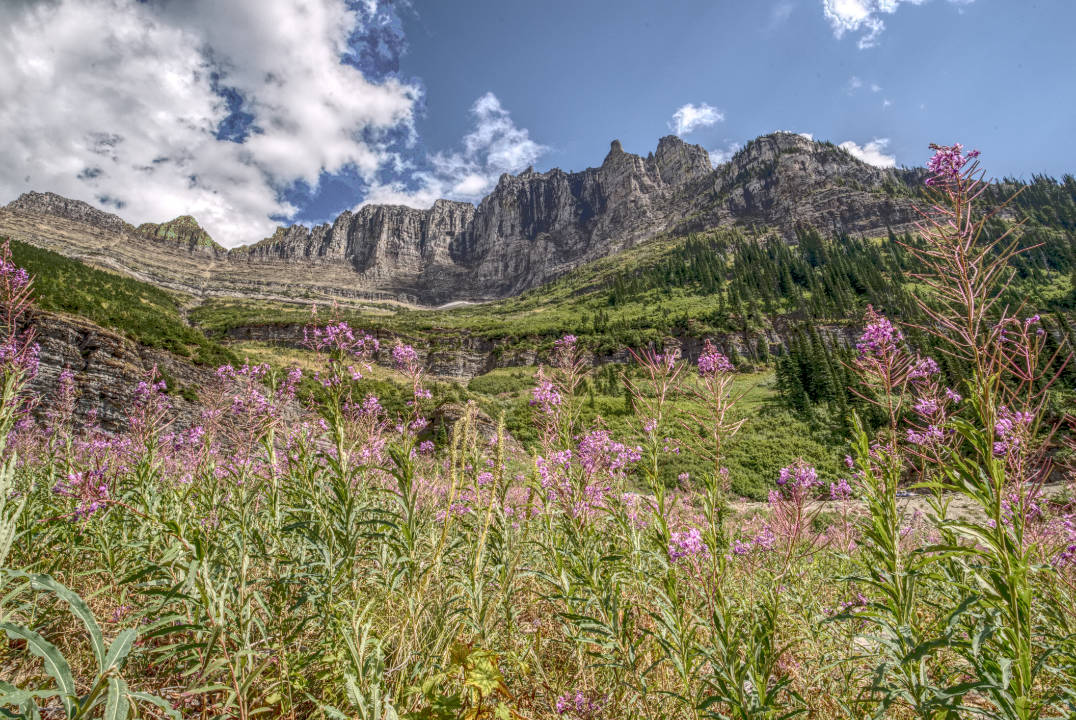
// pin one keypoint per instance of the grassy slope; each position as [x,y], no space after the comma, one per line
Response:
[141,311]
[533,319]
[771,438]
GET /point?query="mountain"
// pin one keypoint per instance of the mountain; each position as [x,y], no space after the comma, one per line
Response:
[533,227]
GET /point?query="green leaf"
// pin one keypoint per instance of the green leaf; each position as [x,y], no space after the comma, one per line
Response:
[119,649]
[78,606]
[158,703]
[482,674]
[55,664]
[22,699]
[117,705]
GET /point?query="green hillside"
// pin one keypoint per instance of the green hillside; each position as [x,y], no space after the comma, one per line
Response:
[141,311]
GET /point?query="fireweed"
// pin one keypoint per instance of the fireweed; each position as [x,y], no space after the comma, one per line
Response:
[983,442]
[303,550]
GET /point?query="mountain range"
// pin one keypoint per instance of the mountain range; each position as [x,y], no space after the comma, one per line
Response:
[532,228]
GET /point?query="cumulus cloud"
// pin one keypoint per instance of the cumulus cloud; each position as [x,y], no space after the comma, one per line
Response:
[494,146]
[132,105]
[690,117]
[872,153]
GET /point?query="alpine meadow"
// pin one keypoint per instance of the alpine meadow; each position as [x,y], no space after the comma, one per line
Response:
[779,431]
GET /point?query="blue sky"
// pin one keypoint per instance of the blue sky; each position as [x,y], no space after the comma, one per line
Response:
[251,113]
[997,74]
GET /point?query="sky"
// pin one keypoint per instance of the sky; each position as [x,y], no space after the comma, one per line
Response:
[250,114]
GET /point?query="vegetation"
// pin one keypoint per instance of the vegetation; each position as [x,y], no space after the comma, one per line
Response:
[310,551]
[141,311]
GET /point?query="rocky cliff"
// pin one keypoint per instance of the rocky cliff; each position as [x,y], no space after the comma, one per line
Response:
[530,229]
[107,369]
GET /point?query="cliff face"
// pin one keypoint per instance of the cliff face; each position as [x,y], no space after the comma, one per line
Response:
[784,180]
[107,369]
[532,228]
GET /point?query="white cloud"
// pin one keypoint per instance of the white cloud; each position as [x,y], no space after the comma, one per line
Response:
[856,83]
[495,146]
[116,102]
[719,156]
[886,102]
[862,16]
[865,16]
[872,153]
[806,136]
[689,117]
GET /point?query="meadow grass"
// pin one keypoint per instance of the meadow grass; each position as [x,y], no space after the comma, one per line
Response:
[309,550]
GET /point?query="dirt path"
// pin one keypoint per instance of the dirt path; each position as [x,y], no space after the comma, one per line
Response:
[960,507]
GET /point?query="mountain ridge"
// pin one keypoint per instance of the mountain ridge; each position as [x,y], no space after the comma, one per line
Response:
[531,228]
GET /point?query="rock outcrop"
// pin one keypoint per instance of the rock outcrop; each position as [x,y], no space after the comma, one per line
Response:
[48,203]
[185,231]
[107,368]
[532,228]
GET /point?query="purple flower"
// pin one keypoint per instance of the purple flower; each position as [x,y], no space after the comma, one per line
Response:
[926,407]
[340,337]
[88,488]
[564,352]
[566,343]
[931,435]
[1012,428]
[545,397]
[579,703]
[953,396]
[599,454]
[947,163]
[923,369]
[712,362]
[879,337]
[765,539]
[840,490]
[14,277]
[404,357]
[371,407]
[798,475]
[686,544]
[20,355]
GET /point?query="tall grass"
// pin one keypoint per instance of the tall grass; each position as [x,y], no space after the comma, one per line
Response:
[314,555]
